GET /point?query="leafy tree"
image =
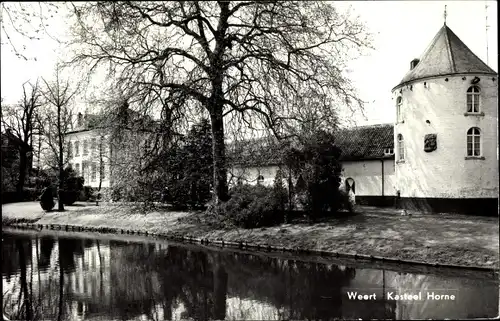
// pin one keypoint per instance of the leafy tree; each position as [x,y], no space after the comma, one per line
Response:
[72,186]
[10,166]
[21,124]
[280,192]
[244,64]
[199,163]
[315,163]
[188,167]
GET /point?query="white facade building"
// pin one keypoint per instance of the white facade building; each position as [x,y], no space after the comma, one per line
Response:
[441,155]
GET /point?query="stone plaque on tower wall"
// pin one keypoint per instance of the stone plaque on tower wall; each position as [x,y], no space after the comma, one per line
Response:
[430,142]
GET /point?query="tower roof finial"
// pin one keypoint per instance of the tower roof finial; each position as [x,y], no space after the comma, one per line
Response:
[445,14]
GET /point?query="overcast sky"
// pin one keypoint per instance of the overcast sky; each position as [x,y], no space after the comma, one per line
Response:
[403,30]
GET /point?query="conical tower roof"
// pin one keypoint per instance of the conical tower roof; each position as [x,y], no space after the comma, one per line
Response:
[446,55]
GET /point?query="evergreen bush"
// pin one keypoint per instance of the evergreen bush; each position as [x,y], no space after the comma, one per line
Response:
[47,199]
[253,206]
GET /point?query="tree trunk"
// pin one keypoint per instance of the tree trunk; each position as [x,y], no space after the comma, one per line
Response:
[24,282]
[220,290]
[61,287]
[219,157]
[23,163]
[60,205]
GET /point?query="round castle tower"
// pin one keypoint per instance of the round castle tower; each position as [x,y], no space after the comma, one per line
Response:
[446,130]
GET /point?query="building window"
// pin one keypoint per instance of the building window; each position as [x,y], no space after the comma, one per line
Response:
[474,142]
[85,147]
[77,148]
[84,169]
[77,169]
[399,105]
[473,99]
[401,147]
[93,172]
[93,145]
[260,179]
[239,181]
[103,171]
[102,146]
[70,150]
[389,151]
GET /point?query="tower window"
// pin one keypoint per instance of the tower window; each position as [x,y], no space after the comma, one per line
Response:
[474,142]
[473,99]
[260,179]
[401,148]
[399,105]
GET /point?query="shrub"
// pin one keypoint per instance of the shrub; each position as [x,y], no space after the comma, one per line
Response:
[315,164]
[31,194]
[86,193]
[47,199]
[72,187]
[253,206]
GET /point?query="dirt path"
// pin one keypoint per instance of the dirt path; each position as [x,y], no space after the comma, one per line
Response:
[443,239]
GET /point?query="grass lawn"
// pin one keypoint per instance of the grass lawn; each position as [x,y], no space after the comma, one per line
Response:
[438,238]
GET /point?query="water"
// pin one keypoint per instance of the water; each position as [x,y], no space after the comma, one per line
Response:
[70,277]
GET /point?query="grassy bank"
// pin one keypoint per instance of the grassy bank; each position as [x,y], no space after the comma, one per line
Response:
[441,239]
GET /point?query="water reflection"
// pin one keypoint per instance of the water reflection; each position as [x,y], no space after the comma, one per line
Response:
[80,279]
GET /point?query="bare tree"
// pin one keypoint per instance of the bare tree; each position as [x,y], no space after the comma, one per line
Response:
[21,121]
[239,62]
[57,119]
[27,21]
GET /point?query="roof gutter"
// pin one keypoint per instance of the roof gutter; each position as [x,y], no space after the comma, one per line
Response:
[442,75]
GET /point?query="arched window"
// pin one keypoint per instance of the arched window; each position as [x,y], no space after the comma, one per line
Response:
[401,147]
[473,99]
[260,179]
[474,142]
[399,104]
[70,150]
[240,181]
[350,185]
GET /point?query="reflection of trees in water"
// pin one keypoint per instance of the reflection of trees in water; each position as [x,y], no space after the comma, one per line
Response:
[68,250]
[201,281]
[131,279]
[10,254]
[142,279]
[46,246]
[302,290]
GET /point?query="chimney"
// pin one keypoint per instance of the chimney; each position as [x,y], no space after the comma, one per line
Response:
[414,63]
[80,119]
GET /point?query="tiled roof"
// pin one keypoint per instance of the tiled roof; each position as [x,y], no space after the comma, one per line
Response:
[254,152]
[359,143]
[108,119]
[446,55]
[365,142]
